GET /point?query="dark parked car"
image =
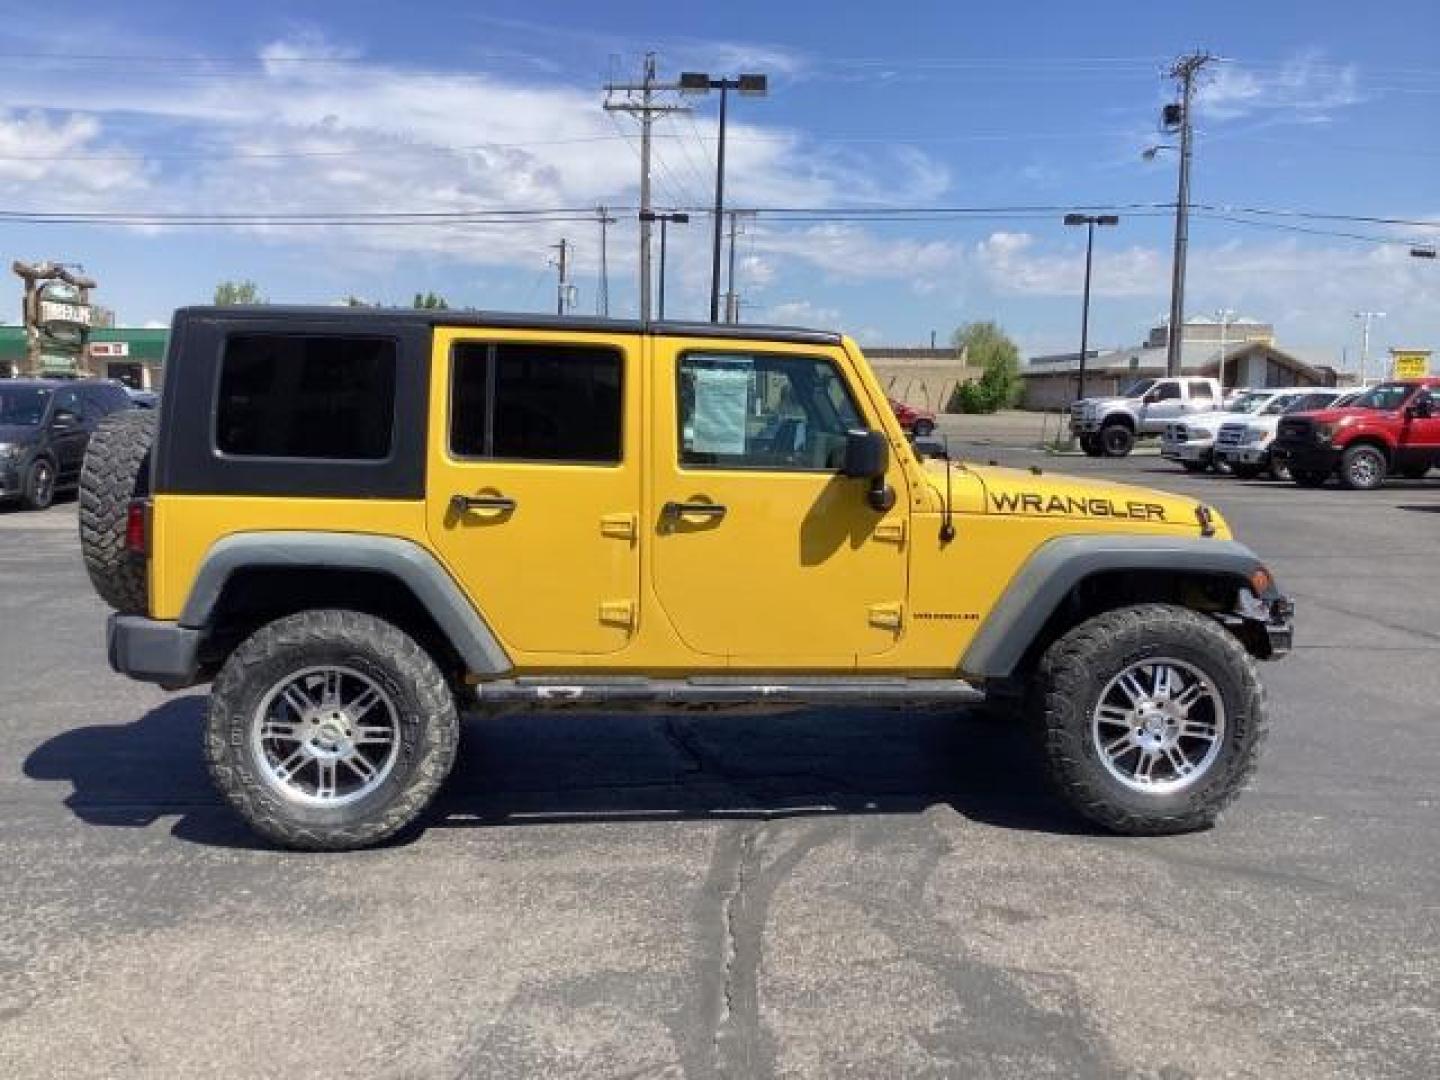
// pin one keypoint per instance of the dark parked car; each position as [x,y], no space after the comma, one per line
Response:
[45,425]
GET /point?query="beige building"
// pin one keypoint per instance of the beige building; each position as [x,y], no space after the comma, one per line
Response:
[919,376]
[1251,358]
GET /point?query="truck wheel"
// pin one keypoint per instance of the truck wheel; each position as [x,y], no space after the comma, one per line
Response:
[1362,468]
[1117,440]
[38,490]
[1308,478]
[1277,471]
[330,730]
[1244,471]
[922,428]
[1151,718]
[1091,445]
[116,470]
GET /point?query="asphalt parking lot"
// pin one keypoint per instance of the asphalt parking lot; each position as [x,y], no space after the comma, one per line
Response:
[874,895]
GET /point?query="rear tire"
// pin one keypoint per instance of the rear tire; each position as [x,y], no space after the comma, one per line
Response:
[1363,467]
[38,491]
[293,745]
[1135,757]
[116,470]
[1117,440]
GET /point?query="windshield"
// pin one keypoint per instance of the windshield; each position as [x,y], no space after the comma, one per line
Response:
[1138,388]
[24,405]
[1248,403]
[1279,403]
[1386,396]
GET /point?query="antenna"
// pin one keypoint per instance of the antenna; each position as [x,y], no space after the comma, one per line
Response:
[947,524]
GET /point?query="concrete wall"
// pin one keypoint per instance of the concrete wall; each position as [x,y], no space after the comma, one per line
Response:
[926,385]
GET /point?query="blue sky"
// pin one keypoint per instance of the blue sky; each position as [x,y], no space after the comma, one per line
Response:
[295,108]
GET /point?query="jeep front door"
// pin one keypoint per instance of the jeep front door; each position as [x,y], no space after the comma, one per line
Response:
[534,484]
[764,555]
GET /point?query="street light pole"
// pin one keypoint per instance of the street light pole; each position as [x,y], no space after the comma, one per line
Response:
[1184,71]
[1089,221]
[664,220]
[749,85]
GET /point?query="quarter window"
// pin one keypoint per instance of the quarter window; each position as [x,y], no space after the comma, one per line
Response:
[288,396]
[523,402]
[744,411]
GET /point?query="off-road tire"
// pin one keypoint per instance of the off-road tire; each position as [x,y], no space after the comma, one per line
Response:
[1308,478]
[922,428]
[1245,471]
[1116,440]
[38,490]
[1363,467]
[1091,445]
[116,470]
[430,727]
[1073,673]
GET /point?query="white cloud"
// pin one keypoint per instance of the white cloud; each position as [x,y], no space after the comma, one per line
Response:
[801,313]
[1306,88]
[1012,265]
[64,155]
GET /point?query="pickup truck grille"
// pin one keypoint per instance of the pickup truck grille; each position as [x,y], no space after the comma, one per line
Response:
[1296,429]
[1231,434]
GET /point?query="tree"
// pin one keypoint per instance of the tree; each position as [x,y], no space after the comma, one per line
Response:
[238,292]
[431,302]
[986,346]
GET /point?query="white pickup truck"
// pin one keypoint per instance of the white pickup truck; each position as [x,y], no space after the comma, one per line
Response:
[1109,426]
[1191,442]
[1244,444]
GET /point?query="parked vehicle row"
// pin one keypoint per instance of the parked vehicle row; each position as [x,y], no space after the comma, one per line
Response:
[1308,435]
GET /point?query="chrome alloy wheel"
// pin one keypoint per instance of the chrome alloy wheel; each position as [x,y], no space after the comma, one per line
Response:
[1158,726]
[326,736]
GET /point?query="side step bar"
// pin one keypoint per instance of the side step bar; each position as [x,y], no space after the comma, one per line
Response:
[723,692]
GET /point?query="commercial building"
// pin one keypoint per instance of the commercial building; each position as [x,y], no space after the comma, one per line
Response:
[133,354]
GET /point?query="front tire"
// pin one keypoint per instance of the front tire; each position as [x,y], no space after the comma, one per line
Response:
[1117,440]
[330,730]
[1151,719]
[1363,468]
[1091,445]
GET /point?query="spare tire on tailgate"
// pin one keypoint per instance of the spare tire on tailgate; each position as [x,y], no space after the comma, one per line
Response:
[116,470]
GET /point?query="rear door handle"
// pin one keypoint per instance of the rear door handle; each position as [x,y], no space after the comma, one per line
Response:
[681,509]
[462,504]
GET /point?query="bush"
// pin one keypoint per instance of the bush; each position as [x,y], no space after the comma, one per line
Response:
[986,346]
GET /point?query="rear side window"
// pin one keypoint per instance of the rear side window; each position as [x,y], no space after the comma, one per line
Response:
[524,402]
[317,397]
[1200,391]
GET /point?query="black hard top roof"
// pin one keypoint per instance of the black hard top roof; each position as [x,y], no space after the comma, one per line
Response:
[510,320]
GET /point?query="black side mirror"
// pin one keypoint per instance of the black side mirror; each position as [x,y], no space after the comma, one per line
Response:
[65,418]
[1422,408]
[867,457]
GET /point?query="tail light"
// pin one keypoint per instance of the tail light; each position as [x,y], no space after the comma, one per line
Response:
[137,527]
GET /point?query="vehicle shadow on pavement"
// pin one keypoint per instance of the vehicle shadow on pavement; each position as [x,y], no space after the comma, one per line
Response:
[558,768]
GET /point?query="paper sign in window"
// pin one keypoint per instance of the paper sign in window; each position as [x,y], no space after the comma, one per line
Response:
[721,397]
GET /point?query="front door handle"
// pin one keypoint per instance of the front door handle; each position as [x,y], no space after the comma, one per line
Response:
[463,504]
[682,509]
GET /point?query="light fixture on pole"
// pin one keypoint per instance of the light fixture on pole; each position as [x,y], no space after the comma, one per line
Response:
[664,220]
[1089,221]
[751,85]
[1366,318]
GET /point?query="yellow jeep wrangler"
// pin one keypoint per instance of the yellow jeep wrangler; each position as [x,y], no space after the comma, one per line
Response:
[358,523]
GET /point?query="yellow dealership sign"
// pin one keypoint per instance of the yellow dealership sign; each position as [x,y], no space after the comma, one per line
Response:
[1409,363]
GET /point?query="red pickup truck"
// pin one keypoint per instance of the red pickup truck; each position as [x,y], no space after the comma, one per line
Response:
[1392,429]
[918,422]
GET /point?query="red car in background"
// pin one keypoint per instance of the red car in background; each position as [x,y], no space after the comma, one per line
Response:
[915,421]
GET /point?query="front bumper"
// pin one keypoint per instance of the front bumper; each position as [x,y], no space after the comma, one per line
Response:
[152,650]
[11,482]
[1084,425]
[1306,457]
[1244,454]
[1187,451]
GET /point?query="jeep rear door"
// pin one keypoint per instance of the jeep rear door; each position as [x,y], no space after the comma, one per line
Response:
[763,554]
[534,482]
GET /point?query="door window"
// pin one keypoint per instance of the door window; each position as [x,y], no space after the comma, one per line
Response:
[1200,392]
[744,411]
[1164,392]
[524,402]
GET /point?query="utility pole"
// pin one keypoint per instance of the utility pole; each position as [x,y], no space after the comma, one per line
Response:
[640,101]
[1184,71]
[732,306]
[602,293]
[664,220]
[562,282]
[1366,317]
[1224,316]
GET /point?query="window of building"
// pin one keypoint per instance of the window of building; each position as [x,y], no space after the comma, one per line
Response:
[319,397]
[524,402]
[743,411]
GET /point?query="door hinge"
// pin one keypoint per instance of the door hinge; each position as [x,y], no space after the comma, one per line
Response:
[891,531]
[886,616]
[619,526]
[618,613]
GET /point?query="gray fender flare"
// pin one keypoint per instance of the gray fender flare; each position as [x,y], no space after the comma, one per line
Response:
[403,560]
[1057,566]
